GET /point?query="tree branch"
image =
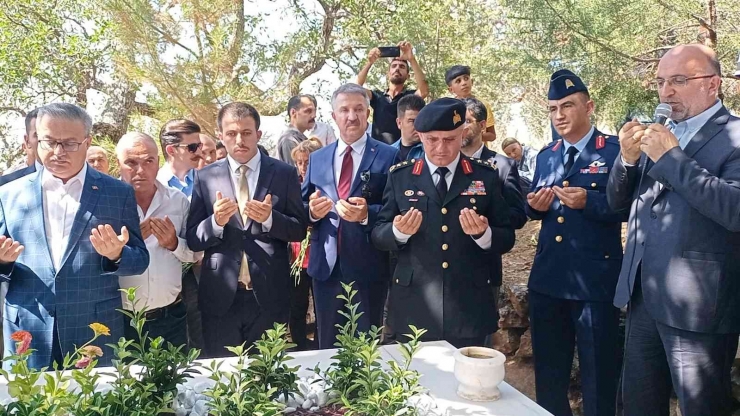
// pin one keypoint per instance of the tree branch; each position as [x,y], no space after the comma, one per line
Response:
[15,109]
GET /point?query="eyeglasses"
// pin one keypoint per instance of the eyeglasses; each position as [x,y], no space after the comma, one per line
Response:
[677,81]
[67,146]
[192,147]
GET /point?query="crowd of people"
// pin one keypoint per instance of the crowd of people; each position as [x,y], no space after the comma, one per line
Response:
[415,211]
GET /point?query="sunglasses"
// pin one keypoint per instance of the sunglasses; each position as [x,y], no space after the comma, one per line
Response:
[192,147]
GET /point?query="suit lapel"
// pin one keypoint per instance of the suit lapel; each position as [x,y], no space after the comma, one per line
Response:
[88,202]
[460,182]
[37,221]
[323,166]
[586,157]
[367,160]
[263,182]
[424,182]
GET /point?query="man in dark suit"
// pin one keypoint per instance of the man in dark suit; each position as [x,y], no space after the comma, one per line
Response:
[244,211]
[445,215]
[60,250]
[576,265]
[342,191]
[30,146]
[681,272]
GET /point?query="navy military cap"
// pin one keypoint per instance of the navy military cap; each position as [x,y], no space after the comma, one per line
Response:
[455,71]
[444,114]
[564,83]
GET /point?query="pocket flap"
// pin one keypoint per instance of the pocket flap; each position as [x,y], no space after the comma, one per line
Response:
[402,276]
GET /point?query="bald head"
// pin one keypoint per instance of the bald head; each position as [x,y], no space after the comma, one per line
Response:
[699,67]
[97,157]
[138,156]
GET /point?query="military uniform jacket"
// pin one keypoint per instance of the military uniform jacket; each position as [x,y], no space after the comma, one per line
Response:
[443,278]
[579,252]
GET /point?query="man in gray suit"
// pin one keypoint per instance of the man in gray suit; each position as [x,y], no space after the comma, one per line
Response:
[681,270]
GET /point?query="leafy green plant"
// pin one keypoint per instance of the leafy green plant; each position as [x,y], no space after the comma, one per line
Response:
[357,378]
[256,380]
[297,266]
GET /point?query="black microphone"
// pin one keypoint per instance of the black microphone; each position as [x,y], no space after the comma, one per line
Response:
[662,113]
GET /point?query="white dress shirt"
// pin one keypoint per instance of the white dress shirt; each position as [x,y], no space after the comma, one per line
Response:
[161,282]
[254,165]
[483,242]
[358,150]
[61,203]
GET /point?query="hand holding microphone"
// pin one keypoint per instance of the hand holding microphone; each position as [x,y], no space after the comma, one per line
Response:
[632,136]
[657,139]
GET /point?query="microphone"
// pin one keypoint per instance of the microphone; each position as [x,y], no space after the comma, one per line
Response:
[662,113]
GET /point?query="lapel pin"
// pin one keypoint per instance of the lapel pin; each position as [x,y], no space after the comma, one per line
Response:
[472,200]
[409,192]
[95,187]
[372,149]
[420,193]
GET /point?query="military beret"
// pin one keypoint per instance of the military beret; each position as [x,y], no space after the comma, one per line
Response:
[455,71]
[444,114]
[564,83]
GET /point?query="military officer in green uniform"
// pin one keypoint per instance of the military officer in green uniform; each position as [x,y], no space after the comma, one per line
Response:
[445,216]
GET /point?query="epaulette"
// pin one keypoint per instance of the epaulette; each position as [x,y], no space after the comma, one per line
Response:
[485,163]
[405,163]
[550,145]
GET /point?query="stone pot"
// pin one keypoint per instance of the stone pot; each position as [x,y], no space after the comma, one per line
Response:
[479,371]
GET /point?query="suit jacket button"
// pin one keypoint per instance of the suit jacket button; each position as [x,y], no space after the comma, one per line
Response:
[565,184]
[559,239]
[396,280]
[606,256]
[445,247]
[593,184]
[444,210]
[445,265]
[444,228]
[488,282]
[561,219]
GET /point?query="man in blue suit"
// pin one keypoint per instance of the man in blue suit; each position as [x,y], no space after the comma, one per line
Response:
[60,249]
[343,191]
[579,250]
[30,144]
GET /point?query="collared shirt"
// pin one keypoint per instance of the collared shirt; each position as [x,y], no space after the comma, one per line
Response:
[415,152]
[527,165]
[166,176]
[385,111]
[255,165]
[61,203]
[579,145]
[322,131]
[687,129]
[483,242]
[478,152]
[358,150]
[161,282]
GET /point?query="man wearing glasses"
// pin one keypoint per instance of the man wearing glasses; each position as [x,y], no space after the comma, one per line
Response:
[67,233]
[680,276]
[181,146]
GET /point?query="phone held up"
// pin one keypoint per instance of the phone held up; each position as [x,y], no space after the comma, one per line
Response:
[389,51]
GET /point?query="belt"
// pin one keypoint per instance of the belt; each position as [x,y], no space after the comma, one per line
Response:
[163,311]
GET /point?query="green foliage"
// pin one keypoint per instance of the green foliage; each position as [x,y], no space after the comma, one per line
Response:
[356,376]
[297,266]
[256,380]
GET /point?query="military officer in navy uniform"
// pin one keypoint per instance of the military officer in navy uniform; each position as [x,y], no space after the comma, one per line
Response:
[445,215]
[579,252]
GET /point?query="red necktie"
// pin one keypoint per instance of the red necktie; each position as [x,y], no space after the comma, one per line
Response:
[345,177]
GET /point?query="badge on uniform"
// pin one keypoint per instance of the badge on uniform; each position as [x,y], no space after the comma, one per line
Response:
[595,167]
[475,188]
[409,192]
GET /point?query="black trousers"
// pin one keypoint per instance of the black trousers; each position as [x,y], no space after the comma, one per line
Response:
[171,324]
[370,296]
[659,358]
[558,326]
[190,298]
[299,301]
[244,322]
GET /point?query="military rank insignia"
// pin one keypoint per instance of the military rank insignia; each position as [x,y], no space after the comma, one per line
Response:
[595,167]
[475,188]
[569,84]
[600,142]
[556,147]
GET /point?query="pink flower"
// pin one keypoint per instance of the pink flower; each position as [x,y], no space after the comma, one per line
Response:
[22,341]
[83,362]
[91,351]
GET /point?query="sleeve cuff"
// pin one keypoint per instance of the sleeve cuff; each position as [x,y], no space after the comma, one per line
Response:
[365,221]
[401,238]
[267,225]
[624,162]
[218,230]
[485,240]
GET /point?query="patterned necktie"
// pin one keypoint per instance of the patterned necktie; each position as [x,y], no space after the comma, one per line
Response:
[243,198]
[571,158]
[442,182]
[345,177]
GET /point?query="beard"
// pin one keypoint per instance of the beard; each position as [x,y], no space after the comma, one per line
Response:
[398,80]
[467,140]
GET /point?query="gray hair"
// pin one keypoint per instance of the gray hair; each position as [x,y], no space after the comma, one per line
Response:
[66,111]
[131,138]
[348,89]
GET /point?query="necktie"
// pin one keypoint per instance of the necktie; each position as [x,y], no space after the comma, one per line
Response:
[571,158]
[243,198]
[345,177]
[442,182]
